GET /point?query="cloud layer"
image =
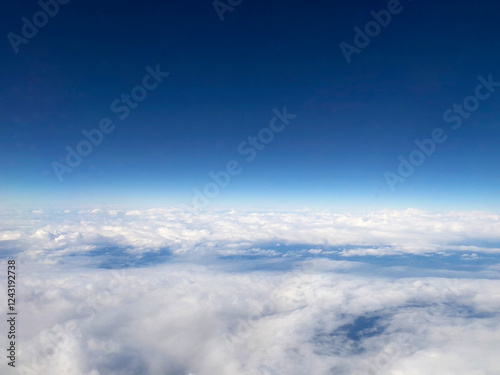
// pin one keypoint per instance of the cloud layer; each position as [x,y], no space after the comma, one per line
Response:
[176,319]
[224,301]
[376,233]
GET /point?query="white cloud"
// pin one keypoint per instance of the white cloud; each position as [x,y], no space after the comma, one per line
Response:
[259,313]
[376,233]
[179,319]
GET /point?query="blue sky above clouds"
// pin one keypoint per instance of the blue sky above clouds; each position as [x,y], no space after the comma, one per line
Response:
[235,187]
[353,119]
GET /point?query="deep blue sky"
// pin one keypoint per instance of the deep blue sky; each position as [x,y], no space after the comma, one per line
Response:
[353,120]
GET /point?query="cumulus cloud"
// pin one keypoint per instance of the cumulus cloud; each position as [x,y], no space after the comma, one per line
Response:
[376,233]
[253,293]
[174,319]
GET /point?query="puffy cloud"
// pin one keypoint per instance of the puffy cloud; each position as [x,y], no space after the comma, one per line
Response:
[376,233]
[180,319]
[254,292]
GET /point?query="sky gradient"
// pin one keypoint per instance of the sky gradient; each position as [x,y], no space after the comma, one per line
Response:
[352,122]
